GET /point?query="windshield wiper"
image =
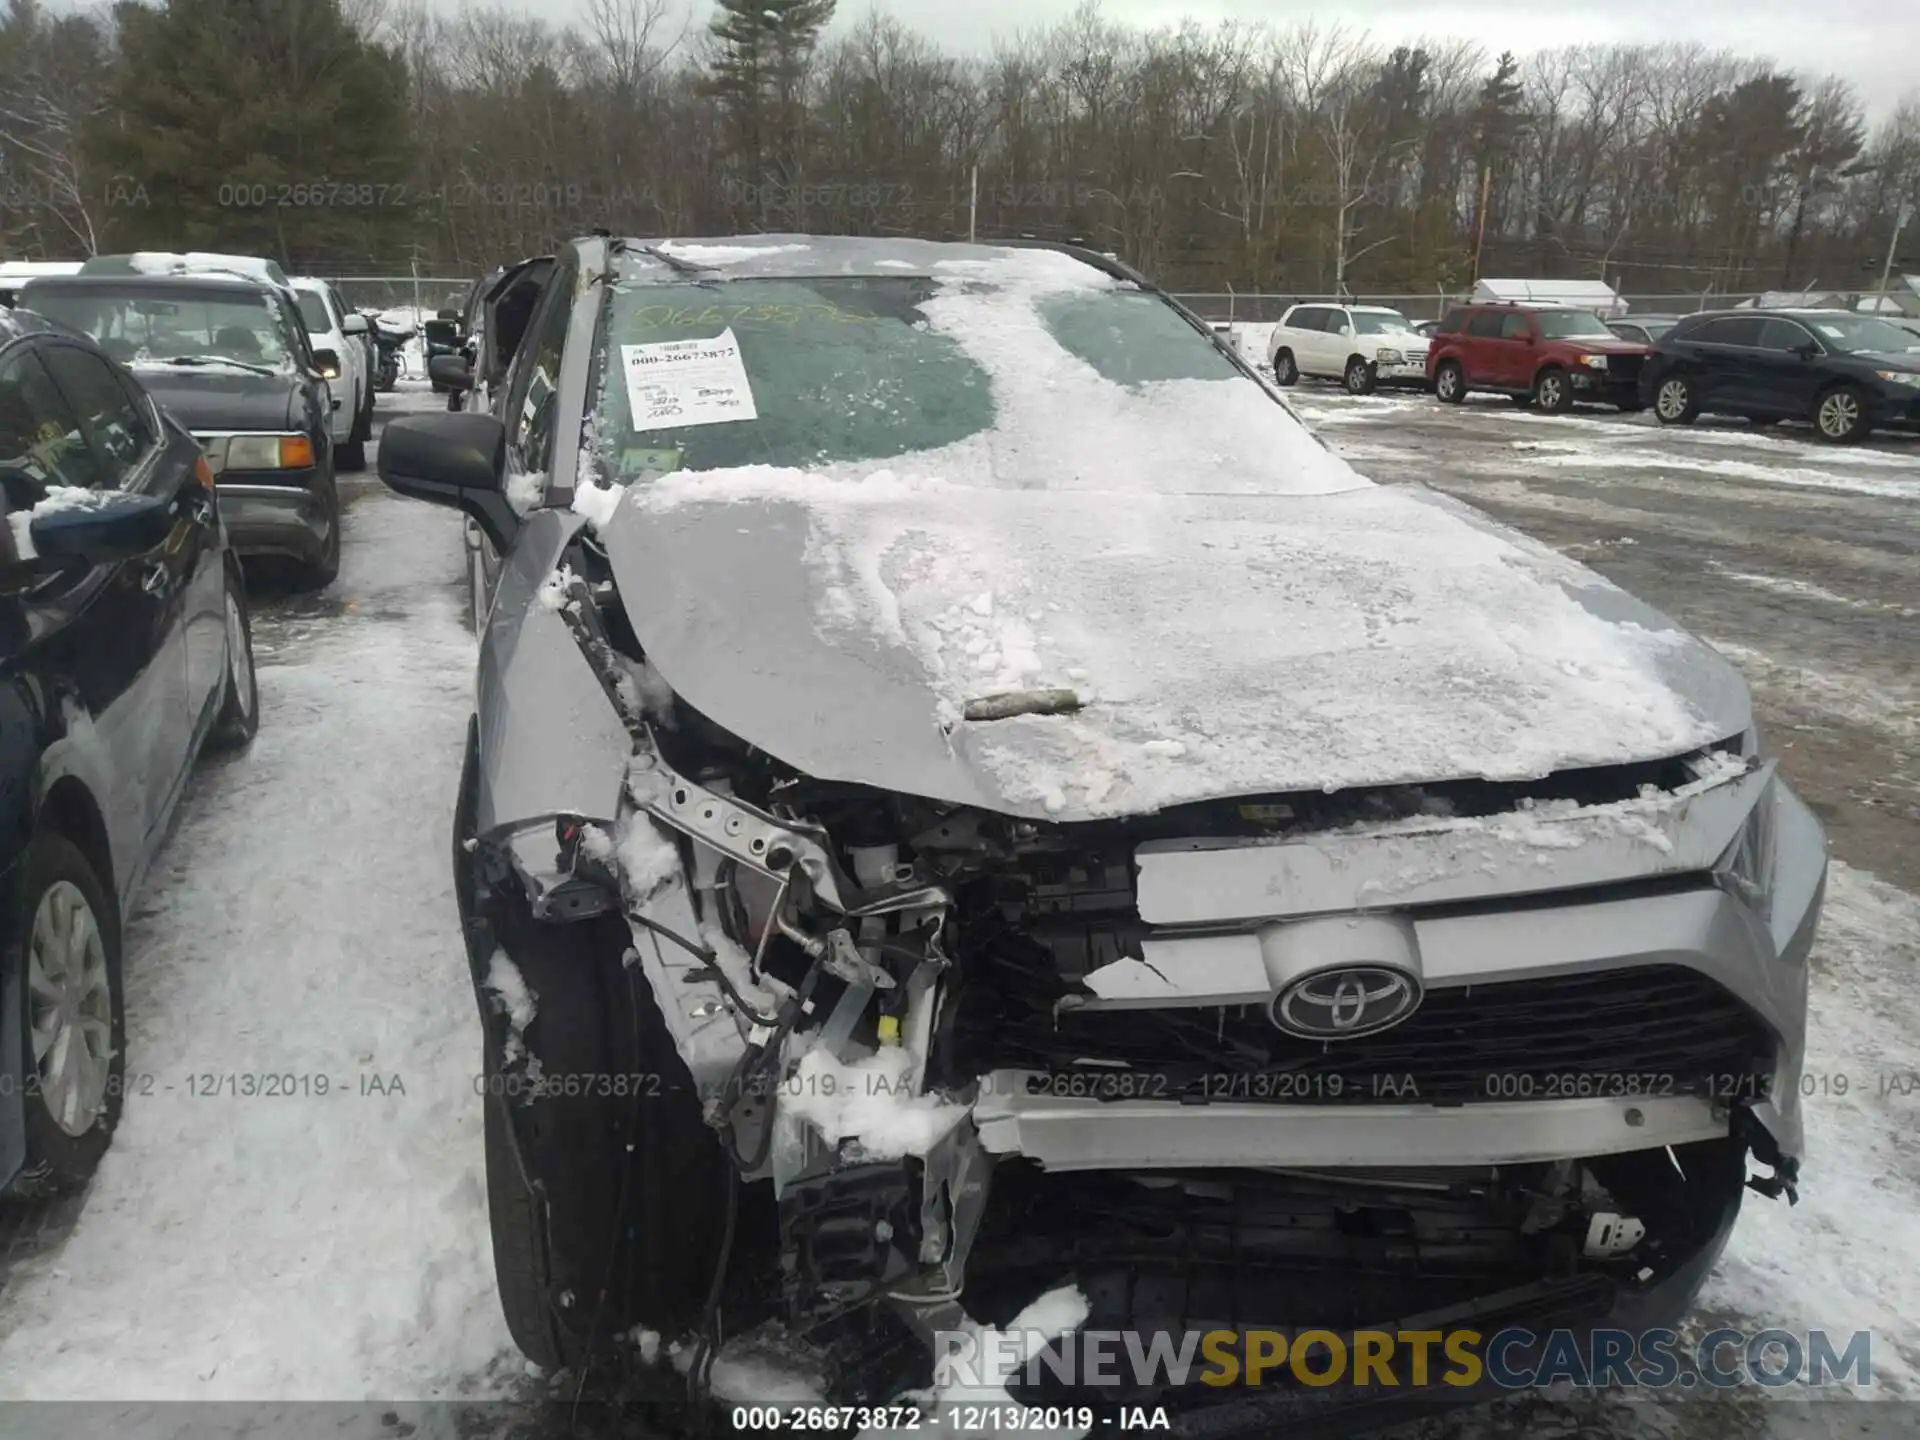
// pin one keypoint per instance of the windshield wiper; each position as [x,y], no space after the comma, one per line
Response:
[218,360]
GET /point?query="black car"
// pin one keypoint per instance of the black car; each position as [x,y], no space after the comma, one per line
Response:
[228,356]
[124,650]
[1843,373]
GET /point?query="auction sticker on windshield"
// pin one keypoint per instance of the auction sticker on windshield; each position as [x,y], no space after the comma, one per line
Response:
[687,382]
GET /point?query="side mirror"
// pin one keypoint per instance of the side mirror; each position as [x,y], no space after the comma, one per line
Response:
[453,371]
[327,362]
[1807,350]
[353,325]
[107,527]
[457,459]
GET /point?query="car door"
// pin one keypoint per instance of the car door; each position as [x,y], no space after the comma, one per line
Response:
[1336,342]
[1513,356]
[1725,369]
[105,638]
[1786,368]
[1308,338]
[185,575]
[1480,346]
[353,350]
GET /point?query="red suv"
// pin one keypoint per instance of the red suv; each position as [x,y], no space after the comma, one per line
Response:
[1544,355]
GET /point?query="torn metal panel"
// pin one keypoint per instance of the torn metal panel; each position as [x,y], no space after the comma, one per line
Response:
[550,741]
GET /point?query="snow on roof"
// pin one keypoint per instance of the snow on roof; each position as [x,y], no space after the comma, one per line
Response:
[202,262]
[1566,291]
[27,269]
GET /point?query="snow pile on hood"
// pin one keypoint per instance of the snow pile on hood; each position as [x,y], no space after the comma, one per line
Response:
[58,497]
[869,1101]
[720,254]
[1219,644]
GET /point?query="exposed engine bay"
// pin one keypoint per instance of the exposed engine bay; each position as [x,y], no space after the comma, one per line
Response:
[888,1005]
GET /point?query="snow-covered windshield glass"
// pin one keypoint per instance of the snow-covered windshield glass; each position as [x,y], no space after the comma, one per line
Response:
[1050,381]
[1368,324]
[1572,325]
[171,322]
[1863,333]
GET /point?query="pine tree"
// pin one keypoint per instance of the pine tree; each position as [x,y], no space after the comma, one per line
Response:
[264,127]
[759,76]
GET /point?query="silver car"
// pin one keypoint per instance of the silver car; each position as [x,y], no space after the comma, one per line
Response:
[969,797]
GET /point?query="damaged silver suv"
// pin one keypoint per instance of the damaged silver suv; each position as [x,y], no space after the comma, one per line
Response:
[969,797]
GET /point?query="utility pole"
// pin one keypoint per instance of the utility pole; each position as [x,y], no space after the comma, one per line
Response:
[1886,270]
[1480,227]
[973,200]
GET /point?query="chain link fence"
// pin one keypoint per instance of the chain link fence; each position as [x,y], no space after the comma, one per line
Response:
[1254,308]
[432,293]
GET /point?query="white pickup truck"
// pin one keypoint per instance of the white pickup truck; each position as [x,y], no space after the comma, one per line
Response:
[332,326]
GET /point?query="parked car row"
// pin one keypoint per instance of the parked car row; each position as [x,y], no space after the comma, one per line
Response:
[125,651]
[1844,373]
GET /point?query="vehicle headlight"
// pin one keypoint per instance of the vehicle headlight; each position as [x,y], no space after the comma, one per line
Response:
[269,452]
[1746,870]
[1594,362]
[1387,355]
[1909,378]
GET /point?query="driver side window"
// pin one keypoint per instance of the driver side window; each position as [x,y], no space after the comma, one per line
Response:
[534,403]
[42,443]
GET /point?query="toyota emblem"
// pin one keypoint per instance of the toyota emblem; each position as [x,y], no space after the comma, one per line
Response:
[1346,1002]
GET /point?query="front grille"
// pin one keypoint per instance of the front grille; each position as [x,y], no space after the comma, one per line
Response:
[1624,368]
[1653,1031]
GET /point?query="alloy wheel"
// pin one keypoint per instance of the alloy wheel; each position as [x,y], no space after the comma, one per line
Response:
[70,1008]
[1671,402]
[1839,415]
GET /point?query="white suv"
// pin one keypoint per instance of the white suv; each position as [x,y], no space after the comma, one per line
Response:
[1360,345]
[332,326]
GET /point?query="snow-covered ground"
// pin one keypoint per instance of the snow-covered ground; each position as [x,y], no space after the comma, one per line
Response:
[300,925]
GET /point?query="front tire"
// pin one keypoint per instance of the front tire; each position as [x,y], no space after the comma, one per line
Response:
[239,717]
[610,1197]
[1674,402]
[1359,377]
[66,943]
[1285,370]
[1553,392]
[1449,383]
[1840,415]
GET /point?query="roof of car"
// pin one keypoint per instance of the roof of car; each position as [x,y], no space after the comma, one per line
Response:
[189,262]
[801,256]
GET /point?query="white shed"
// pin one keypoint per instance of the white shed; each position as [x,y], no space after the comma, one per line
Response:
[1594,295]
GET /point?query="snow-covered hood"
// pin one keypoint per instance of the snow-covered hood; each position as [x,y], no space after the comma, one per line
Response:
[1222,644]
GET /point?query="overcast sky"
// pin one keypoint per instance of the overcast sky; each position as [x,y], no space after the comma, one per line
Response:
[1874,43]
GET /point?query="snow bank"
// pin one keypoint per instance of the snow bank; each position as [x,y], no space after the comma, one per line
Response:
[870,1101]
